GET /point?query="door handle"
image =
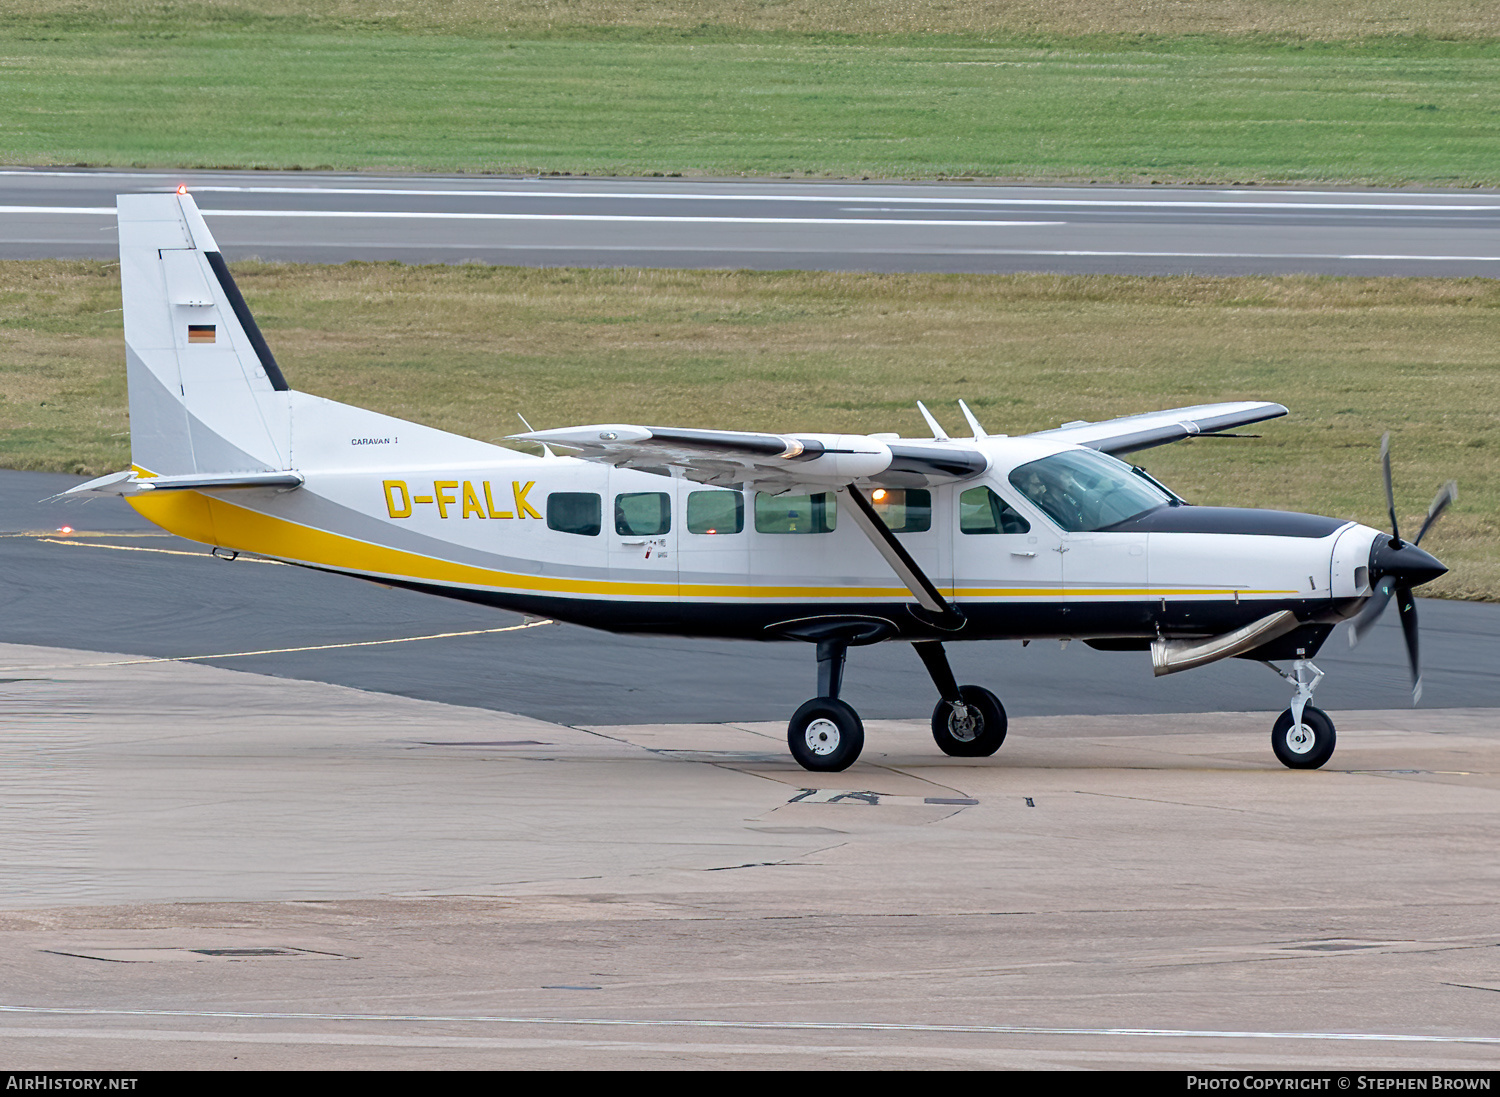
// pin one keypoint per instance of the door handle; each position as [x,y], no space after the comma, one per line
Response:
[1026,554]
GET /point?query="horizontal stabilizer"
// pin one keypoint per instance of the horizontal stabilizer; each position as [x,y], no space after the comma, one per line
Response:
[772,462]
[1158,428]
[128,483]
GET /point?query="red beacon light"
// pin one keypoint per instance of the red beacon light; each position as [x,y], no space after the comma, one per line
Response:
[181,188]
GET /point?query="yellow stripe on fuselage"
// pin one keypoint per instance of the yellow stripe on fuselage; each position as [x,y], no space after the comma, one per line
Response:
[200,517]
[213,521]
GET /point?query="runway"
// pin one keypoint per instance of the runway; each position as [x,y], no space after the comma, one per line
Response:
[775,224]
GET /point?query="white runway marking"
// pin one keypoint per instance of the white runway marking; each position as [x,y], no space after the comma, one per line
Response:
[432,215]
[58,209]
[783,1026]
[673,249]
[927,200]
[1234,255]
[627,218]
[846,221]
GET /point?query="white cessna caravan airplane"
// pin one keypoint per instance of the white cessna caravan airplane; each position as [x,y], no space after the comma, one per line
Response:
[835,540]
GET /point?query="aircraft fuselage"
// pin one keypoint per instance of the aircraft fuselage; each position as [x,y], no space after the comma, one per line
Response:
[633,551]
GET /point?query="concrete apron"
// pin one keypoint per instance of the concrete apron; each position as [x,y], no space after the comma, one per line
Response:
[198,860]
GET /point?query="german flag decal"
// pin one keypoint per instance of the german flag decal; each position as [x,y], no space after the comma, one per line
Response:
[200,333]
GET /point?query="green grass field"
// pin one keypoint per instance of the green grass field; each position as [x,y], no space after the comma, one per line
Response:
[467,348]
[1306,91]
[1264,92]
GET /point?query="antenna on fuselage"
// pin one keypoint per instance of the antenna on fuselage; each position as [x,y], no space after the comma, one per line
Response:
[979,434]
[938,433]
[546,449]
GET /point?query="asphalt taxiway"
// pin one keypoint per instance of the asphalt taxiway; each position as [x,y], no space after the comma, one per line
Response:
[776,224]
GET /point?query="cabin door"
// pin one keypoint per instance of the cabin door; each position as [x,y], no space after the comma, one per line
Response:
[641,529]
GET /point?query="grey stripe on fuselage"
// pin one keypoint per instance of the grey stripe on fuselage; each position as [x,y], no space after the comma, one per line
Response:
[166,438]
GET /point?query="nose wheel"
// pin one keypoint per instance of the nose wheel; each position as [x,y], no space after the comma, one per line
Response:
[1305,745]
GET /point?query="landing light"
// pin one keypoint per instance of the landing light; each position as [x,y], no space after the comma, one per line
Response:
[65,529]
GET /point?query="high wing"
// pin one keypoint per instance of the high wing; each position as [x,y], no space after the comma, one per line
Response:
[1157,428]
[777,462]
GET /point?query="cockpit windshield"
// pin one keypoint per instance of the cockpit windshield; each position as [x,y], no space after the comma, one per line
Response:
[1083,490]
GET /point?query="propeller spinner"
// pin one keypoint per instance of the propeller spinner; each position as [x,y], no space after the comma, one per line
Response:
[1396,566]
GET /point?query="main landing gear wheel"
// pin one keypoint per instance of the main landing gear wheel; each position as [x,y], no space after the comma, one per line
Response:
[825,735]
[1305,747]
[978,732]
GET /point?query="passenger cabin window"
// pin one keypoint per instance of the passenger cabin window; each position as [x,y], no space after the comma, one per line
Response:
[795,513]
[579,512]
[980,510]
[643,513]
[903,510]
[715,512]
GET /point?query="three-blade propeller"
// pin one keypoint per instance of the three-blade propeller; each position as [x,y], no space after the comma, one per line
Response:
[1396,566]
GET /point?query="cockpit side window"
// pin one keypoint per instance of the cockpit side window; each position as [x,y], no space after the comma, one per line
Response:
[1083,491]
[980,510]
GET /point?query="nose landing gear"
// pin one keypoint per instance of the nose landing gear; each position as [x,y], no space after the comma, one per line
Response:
[1303,736]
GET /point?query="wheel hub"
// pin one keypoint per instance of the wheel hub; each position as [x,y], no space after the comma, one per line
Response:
[822,737]
[963,723]
[1300,739]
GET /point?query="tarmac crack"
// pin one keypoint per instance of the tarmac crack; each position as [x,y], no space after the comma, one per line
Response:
[1173,803]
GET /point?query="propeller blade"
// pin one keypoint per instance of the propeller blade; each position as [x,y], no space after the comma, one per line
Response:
[1446,496]
[1406,606]
[1372,611]
[1390,494]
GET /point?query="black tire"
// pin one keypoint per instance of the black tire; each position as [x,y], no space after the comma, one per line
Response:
[977,737]
[825,735]
[1307,754]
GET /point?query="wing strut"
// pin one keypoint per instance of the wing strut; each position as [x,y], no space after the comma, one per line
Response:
[938,611]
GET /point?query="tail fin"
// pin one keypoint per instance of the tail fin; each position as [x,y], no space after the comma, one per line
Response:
[206,396]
